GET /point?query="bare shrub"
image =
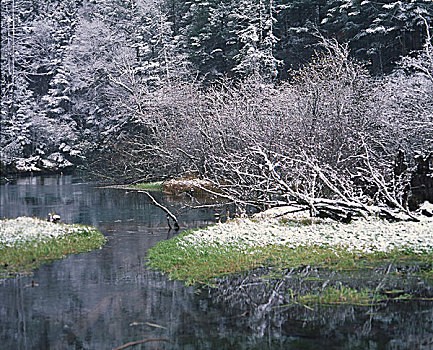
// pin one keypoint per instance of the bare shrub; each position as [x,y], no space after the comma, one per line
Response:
[322,140]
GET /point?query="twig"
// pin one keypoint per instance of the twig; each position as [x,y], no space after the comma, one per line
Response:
[142,341]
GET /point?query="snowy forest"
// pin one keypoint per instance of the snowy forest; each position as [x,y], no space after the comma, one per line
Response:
[270,101]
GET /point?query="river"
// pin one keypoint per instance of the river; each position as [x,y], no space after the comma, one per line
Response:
[106,298]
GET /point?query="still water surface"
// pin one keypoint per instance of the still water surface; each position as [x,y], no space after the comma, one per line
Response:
[106,298]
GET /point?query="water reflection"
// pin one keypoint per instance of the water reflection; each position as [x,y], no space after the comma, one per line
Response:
[267,307]
[78,202]
[102,299]
[106,298]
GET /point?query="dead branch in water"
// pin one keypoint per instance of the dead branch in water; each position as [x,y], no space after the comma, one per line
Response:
[170,215]
[142,341]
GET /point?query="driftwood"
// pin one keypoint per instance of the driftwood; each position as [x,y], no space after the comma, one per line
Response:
[346,211]
[343,211]
[142,341]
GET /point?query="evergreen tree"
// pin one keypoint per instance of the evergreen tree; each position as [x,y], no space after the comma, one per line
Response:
[33,41]
[297,27]
[159,50]
[254,28]
[378,32]
[210,45]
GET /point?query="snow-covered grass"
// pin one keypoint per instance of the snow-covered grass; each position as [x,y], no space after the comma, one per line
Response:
[21,230]
[368,236]
[244,244]
[27,242]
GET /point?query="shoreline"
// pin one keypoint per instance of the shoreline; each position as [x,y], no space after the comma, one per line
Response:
[240,245]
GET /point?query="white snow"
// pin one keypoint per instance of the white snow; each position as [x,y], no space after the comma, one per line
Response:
[367,236]
[25,229]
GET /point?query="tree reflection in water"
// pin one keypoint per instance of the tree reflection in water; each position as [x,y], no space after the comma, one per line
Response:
[106,298]
[268,308]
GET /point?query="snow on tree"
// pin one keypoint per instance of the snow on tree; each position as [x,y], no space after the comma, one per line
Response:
[379,31]
[33,42]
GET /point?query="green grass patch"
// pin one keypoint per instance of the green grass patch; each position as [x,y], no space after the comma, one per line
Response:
[24,257]
[200,264]
[427,274]
[342,295]
[298,222]
[148,186]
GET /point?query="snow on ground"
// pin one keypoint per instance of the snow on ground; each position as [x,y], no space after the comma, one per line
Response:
[26,229]
[363,235]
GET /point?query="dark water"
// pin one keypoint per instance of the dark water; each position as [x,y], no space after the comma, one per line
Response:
[106,298]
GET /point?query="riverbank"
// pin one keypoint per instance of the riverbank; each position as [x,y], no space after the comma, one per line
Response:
[293,241]
[26,243]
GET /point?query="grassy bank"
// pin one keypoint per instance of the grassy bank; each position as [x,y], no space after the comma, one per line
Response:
[199,265]
[241,245]
[176,186]
[148,186]
[27,243]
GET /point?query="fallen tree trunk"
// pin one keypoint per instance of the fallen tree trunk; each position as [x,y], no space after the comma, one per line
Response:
[345,212]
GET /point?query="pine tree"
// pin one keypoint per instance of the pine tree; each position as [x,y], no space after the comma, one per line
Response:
[378,32]
[254,29]
[209,44]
